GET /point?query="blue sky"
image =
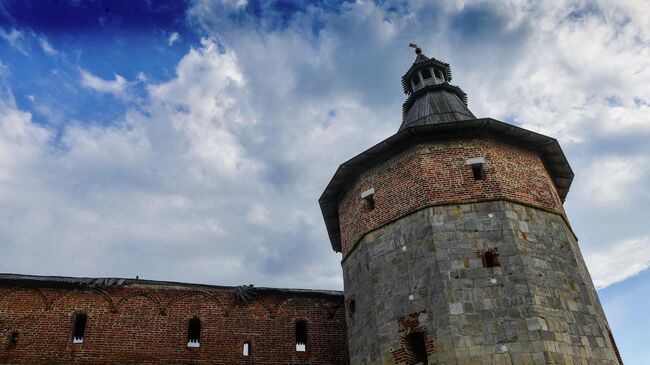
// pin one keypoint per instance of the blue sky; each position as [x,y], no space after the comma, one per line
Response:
[189,141]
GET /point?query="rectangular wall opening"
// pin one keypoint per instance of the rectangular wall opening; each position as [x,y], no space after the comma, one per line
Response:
[352,307]
[369,197]
[478,172]
[13,340]
[416,348]
[194,333]
[301,336]
[79,330]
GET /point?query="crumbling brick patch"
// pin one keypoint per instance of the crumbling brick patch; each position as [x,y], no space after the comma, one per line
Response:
[410,328]
[489,258]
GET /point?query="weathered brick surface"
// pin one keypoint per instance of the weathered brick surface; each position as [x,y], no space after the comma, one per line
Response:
[422,273]
[436,174]
[407,325]
[147,324]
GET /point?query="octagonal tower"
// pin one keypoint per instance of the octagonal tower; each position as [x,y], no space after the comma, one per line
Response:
[456,247]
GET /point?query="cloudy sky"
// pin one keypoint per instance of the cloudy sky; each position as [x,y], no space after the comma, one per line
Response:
[190,141]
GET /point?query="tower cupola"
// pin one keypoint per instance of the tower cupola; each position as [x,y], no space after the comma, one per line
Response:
[430,97]
[425,71]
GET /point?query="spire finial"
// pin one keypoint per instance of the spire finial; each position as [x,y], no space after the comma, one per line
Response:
[418,50]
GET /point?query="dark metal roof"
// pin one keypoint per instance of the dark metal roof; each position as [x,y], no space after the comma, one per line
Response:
[420,57]
[245,293]
[76,282]
[548,148]
[422,61]
[435,104]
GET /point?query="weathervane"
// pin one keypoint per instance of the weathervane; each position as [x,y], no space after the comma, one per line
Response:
[418,50]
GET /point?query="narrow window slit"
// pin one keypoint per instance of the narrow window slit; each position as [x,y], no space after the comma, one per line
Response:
[13,340]
[352,307]
[194,333]
[440,75]
[301,336]
[80,320]
[247,349]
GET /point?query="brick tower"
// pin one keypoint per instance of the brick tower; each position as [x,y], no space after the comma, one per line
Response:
[456,247]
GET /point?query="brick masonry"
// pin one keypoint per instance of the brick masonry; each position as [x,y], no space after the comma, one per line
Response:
[148,324]
[436,174]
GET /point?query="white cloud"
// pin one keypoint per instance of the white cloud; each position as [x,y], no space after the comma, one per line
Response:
[174,177]
[16,39]
[259,214]
[117,87]
[621,260]
[615,181]
[47,47]
[21,142]
[173,38]
[237,3]
[568,72]
[24,39]
[4,71]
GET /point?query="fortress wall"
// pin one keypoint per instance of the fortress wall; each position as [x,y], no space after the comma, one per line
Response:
[148,324]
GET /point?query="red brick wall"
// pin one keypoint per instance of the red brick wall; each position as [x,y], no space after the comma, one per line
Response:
[435,174]
[147,324]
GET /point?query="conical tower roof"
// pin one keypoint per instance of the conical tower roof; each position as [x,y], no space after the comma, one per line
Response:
[431,99]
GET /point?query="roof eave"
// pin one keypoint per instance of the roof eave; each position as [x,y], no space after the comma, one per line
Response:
[69,282]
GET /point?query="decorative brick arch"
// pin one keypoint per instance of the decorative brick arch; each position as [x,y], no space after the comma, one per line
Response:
[101,293]
[272,307]
[44,300]
[152,298]
[220,304]
[409,325]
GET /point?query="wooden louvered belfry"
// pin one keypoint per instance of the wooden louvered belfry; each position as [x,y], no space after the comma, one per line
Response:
[431,98]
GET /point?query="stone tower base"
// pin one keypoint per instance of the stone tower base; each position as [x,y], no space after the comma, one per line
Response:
[481,283]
